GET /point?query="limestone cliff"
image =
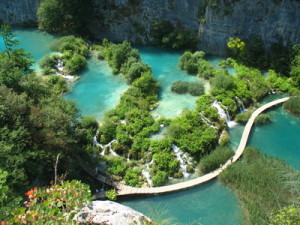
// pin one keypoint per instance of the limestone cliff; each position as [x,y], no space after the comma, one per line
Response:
[214,20]
[19,12]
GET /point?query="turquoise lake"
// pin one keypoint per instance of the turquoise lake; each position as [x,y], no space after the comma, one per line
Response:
[98,90]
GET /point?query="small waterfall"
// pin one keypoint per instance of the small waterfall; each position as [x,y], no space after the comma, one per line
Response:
[182,157]
[224,114]
[146,173]
[111,151]
[207,121]
[60,67]
[241,104]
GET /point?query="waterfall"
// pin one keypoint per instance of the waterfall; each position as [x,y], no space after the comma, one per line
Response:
[207,121]
[241,104]
[182,157]
[146,173]
[60,67]
[224,114]
[111,151]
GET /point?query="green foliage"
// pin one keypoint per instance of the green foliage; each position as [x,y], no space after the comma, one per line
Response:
[111,194]
[263,119]
[48,63]
[215,159]
[293,105]
[222,81]
[165,34]
[275,187]
[288,215]
[59,84]
[54,205]
[190,134]
[166,162]
[75,64]
[183,87]
[132,177]
[160,178]
[281,83]
[190,61]
[180,87]
[8,39]
[243,118]
[66,17]
[117,166]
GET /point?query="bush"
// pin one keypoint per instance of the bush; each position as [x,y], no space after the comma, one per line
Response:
[132,177]
[193,88]
[196,88]
[293,105]
[180,87]
[263,119]
[111,194]
[54,205]
[160,178]
[75,64]
[215,159]
[243,117]
[205,69]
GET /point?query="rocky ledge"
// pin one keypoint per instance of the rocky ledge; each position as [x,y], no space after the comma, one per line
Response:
[110,213]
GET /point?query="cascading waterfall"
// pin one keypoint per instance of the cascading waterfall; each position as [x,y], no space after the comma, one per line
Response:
[60,67]
[111,151]
[146,173]
[183,159]
[241,104]
[224,114]
[207,121]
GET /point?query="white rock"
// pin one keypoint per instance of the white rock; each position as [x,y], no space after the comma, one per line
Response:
[110,213]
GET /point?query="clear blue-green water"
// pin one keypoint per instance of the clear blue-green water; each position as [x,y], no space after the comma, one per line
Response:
[98,90]
[208,204]
[165,69]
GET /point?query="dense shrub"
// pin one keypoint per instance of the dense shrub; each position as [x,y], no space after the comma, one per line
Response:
[263,119]
[191,134]
[75,64]
[180,87]
[160,178]
[205,69]
[48,63]
[215,159]
[70,43]
[132,177]
[196,88]
[183,87]
[243,118]
[293,105]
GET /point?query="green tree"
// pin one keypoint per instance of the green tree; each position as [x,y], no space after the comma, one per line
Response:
[8,39]
[64,16]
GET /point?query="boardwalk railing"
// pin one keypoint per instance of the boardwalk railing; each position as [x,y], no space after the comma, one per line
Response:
[127,190]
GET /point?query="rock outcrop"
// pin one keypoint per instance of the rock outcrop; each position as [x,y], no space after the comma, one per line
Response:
[110,213]
[275,21]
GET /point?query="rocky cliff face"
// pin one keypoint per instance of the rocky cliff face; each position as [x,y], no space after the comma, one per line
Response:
[214,20]
[110,213]
[18,12]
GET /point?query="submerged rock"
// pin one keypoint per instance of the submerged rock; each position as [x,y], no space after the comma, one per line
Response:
[110,213]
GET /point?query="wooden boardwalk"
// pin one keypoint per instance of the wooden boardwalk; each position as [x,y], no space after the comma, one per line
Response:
[127,190]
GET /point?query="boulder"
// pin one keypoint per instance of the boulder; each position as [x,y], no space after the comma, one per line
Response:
[110,213]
